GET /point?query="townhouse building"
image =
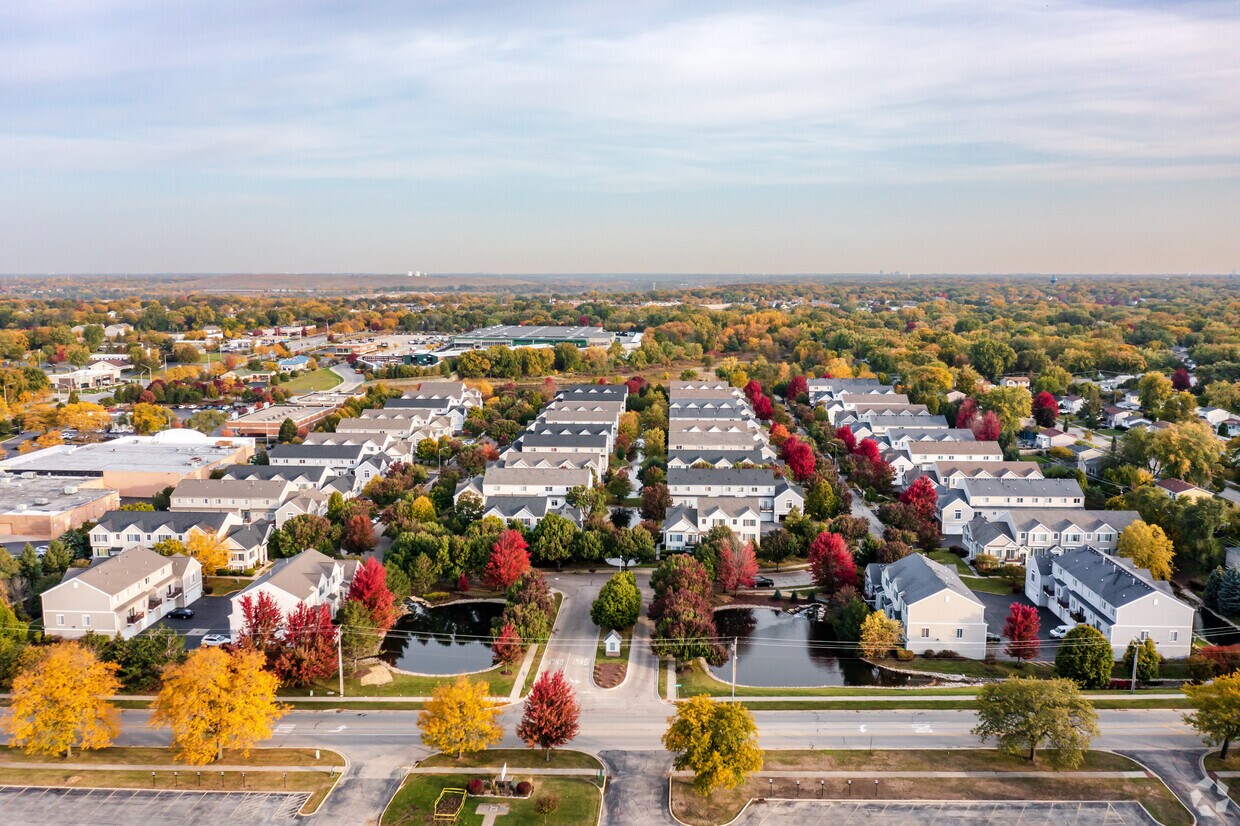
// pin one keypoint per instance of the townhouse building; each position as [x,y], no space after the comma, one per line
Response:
[338,459]
[1020,533]
[988,498]
[684,526]
[311,578]
[935,609]
[715,458]
[952,474]
[776,496]
[1090,587]
[254,500]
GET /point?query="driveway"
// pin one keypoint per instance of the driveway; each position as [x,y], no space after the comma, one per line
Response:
[997,606]
[124,807]
[210,617]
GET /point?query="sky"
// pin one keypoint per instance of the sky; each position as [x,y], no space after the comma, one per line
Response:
[938,136]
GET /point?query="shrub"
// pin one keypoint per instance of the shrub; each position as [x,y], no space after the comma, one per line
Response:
[904,655]
[777,595]
[1225,659]
[436,596]
[986,564]
[475,786]
[524,788]
[948,654]
[929,654]
[1200,668]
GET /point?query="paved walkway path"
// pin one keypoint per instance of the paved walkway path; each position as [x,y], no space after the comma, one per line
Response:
[518,684]
[1181,771]
[884,773]
[549,772]
[166,767]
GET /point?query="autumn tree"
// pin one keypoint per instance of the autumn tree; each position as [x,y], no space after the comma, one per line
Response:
[1045,409]
[1148,547]
[551,713]
[735,566]
[922,497]
[509,559]
[507,647]
[1022,714]
[308,646]
[831,565]
[149,418]
[217,700]
[359,636]
[987,427]
[84,417]
[1021,629]
[799,457]
[357,536]
[210,551]
[1216,710]
[460,718]
[846,437]
[717,741]
[61,700]
[1149,661]
[369,587]
[262,622]
[879,634]
[656,499]
[796,386]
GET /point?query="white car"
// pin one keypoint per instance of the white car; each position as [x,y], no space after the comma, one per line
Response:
[217,639]
[1059,631]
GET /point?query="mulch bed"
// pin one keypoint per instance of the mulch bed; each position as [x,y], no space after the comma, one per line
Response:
[609,674]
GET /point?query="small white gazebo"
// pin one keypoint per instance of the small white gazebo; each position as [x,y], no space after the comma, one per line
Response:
[611,644]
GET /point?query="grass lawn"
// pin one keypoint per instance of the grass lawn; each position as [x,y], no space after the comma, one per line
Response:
[404,685]
[580,800]
[693,680]
[723,805]
[516,759]
[946,557]
[222,585]
[312,382]
[987,584]
[618,665]
[73,775]
[532,675]
[963,704]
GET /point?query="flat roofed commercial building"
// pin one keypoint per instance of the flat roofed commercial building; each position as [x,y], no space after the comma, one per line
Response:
[44,507]
[266,421]
[138,466]
[510,335]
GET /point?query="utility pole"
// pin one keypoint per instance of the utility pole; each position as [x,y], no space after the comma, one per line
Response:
[735,640]
[340,659]
[1136,655]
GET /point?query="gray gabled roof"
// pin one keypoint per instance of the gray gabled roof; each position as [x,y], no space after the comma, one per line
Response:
[150,521]
[720,476]
[1113,581]
[1023,487]
[289,473]
[316,452]
[917,577]
[733,457]
[510,506]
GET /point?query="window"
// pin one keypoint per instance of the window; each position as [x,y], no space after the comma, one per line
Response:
[925,633]
[957,513]
[960,633]
[1145,635]
[60,619]
[86,620]
[1175,636]
[134,537]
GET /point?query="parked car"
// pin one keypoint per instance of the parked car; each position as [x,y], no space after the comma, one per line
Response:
[40,550]
[181,613]
[1059,631]
[763,582]
[217,639]
[991,637]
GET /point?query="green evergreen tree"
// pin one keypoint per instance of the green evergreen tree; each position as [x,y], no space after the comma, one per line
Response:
[1085,656]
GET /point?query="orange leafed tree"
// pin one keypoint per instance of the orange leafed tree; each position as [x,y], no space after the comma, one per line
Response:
[217,700]
[60,701]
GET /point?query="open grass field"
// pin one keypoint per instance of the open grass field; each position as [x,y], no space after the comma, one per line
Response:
[515,759]
[314,381]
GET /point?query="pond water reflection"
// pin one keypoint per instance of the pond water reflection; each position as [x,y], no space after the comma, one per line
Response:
[448,639]
[780,649]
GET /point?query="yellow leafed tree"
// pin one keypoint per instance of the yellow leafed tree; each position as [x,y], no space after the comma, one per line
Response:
[460,718]
[209,550]
[215,701]
[84,416]
[149,418]
[61,701]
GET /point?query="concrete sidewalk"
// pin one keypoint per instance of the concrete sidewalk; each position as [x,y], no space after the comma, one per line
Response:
[956,775]
[547,772]
[167,767]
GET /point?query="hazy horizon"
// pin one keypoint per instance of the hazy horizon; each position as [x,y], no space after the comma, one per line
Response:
[722,138]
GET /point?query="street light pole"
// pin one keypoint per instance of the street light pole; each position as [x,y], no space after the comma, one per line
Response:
[1136,655]
[340,659]
[735,640]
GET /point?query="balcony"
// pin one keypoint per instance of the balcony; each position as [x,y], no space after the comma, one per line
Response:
[135,618]
[1063,603]
[153,601]
[174,593]
[1079,616]
[1048,590]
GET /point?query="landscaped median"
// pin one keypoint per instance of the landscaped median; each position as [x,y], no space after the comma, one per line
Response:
[565,789]
[270,770]
[694,679]
[954,774]
[610,672]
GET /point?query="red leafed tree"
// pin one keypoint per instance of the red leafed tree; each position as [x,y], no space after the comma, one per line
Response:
[799,457]
[1045,409]
[1021,629]
[358,535]
[922,496]
[507,646]
[736,566]
[309,650]
[762,407]
[986,429]
[796,386]
[845,435]
[509,559]
[1181,380]
[753,390]
[261,622]
[830,563]
[369,587]
[551,713]
[967,414]
[869,449]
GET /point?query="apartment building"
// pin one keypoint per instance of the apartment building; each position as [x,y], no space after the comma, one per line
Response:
[952,474]
[1018,534]
[715,458]
[684,525]
[253,500]
[988,498]
[776,496]
[311,577]
[338,459]
[936,610]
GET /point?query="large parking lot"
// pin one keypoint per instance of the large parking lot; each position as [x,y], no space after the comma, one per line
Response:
[31,806]
[880,813]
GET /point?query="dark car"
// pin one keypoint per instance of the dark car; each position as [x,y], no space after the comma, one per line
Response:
[181,613]
[763,582]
